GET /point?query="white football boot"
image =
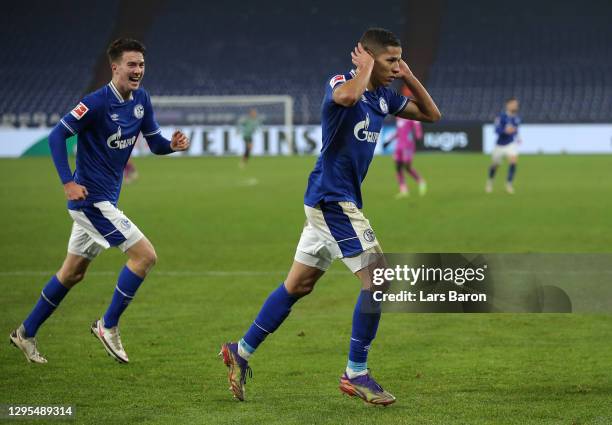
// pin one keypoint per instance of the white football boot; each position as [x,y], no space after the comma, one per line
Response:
[26,345]
[111,340]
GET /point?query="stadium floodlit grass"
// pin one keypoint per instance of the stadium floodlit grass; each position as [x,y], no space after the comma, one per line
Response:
[226,237]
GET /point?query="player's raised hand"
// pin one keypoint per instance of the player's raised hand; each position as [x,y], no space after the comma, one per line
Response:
[361,58]
[405,70]
[75,192]
[179,141]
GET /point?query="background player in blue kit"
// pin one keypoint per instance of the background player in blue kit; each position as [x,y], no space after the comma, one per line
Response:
[107,123]
[353,110]
[506,127]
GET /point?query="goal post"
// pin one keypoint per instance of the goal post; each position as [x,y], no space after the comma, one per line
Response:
[193,110]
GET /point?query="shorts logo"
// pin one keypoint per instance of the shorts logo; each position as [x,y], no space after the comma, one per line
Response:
[383,106]
[114,117]
[79,111]
[125,224]
[139,111]
[369,235]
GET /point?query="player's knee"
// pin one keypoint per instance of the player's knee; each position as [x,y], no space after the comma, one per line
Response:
[149,259]
[70,278]
[302,290]
[302,287]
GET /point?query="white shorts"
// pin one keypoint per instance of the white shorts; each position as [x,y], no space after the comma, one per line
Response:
[505,151]
[98,227]
[336,230]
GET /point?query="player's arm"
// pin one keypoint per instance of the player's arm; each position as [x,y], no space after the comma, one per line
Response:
[159,145]
[422,107]
[349,93]
[499,125]
[74,122]
[151,131]
[57,145]
[503,127]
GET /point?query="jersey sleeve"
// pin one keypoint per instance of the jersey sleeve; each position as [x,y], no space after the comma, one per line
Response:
[500,124]
[82,115]
[333,83]
[149,126]
[396,101]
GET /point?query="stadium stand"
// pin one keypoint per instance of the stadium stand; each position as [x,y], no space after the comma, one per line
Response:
[269,47]
[555,56]
[47,56]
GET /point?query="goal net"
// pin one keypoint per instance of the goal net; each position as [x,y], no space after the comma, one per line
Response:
[213,122]
[274,110]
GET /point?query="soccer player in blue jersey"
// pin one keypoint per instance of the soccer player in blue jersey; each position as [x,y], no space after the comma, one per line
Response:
[354,107]
[506,127]
[107,123]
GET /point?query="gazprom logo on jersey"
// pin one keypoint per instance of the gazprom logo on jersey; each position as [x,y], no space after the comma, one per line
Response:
[361,131]
[115,142]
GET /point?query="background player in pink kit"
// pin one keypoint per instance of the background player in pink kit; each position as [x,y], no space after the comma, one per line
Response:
[407,133]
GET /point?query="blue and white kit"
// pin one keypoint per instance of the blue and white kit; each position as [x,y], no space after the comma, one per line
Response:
[107,127]
[336,227]
[506,144]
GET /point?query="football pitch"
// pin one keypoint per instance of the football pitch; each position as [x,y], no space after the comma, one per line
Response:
[226,237]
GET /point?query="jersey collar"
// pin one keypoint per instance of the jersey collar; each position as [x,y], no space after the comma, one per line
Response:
[117,94]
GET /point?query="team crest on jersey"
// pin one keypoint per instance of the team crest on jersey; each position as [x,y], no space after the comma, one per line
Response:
[362,133]
[79,111]
[337,80]
[115,141]
[139,111]
[383,105]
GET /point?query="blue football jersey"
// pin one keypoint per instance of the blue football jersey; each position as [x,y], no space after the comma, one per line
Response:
[107,127]
[349,139]
[500,125]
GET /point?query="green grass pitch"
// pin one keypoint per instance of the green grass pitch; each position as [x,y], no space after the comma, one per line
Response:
[224,243]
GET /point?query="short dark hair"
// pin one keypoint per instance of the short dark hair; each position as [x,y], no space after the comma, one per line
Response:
[511,99]
[116,48]
[375,39]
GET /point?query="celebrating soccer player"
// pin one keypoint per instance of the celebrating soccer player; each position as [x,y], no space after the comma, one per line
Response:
[506,127]
[353,110]
[107,123]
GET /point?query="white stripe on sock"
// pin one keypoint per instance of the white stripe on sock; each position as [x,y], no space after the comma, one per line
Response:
[123,293]
[257,324]
[47,299]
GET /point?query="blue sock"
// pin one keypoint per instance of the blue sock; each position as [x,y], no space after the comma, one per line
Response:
[274,311]
[52,294]
[126,288]
[365,324]
[511,171]
[492,170]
